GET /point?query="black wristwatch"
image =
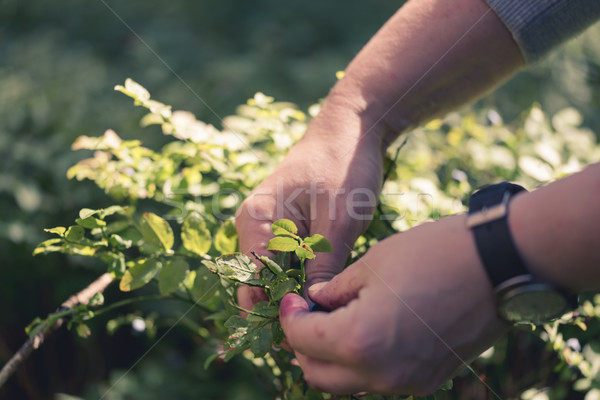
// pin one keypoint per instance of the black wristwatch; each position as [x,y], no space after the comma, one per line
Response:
[521,298]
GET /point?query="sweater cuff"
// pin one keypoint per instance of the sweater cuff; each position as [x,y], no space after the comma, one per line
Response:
[538,26]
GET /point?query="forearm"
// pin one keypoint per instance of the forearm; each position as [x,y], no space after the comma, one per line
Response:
[557,230]
[431,57]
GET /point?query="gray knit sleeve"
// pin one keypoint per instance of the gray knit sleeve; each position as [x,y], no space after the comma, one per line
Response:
[540,25]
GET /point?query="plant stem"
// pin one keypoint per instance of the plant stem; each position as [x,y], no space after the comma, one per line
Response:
[125,302]
[303,275]
[83,297]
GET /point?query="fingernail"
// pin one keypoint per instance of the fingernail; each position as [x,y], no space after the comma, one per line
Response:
[315,288]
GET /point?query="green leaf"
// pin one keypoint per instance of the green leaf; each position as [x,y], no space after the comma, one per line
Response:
[59,230]
[273,266]
[236,266]
[261,340]
[96,300]
[226,238]
[281,288]
[172,275]
[278,334]
[282,243]
[318,243]
[117,267]
[195,236]
[265,310]
[235,321]
[304,253]
[156,231]
[205,285]
[284,227]
[210,359]
[74,233]
[83,330]
[90,222]
[139,274]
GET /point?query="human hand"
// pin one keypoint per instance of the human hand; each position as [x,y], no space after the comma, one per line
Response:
[417,307]
[328,183]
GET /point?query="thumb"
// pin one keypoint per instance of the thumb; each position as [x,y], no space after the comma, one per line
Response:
[342,289]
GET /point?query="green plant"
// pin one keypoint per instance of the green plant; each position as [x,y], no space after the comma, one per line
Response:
[173,225]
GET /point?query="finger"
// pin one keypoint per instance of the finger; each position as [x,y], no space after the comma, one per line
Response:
[318,334]
[342,289]
[327,265]
[329,377]
[253,225]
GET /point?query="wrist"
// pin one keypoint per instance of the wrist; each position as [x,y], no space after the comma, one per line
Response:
[373,115]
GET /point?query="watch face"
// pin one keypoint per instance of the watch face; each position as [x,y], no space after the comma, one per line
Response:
[535,303]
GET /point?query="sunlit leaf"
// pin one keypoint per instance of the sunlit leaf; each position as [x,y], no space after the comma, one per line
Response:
[74,233]
[283,227]
[226,238]
[282,243]
[318,243]
[139,275]
[236,266]
[195,236]
[156,231]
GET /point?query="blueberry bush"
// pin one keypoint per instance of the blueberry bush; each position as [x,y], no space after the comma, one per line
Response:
[169,236]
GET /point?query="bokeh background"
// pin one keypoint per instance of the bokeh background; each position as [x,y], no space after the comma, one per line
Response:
[59,62]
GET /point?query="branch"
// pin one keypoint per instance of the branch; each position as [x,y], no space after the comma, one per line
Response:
[83,297]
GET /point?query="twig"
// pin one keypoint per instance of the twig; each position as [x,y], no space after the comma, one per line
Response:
[393,160]
[83,297]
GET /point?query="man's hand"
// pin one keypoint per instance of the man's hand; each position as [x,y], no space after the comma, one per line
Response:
[417,307]
[328,183]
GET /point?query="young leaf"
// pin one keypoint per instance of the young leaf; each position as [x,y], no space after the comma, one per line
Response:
[226,238]
[196,238]
[282,243]
[304,253]
[140,274]
[284,227]
[171,276]
[83,330]
[272,265]
[318,243]
[156,231]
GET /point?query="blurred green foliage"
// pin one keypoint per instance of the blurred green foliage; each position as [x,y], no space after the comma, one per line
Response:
[58,64]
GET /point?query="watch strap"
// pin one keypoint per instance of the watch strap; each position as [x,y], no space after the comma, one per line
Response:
[494,242]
